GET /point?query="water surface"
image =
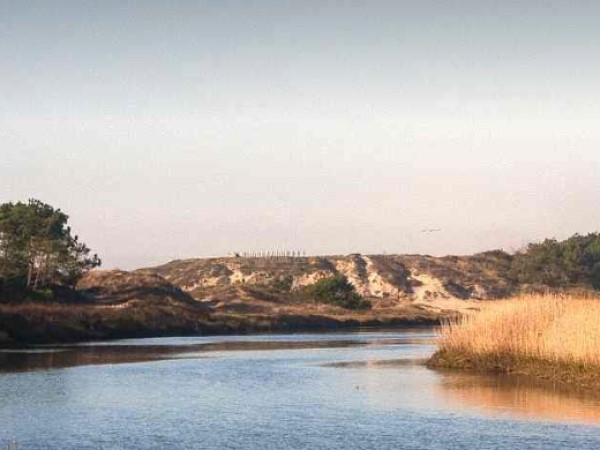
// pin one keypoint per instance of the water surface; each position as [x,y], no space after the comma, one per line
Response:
[303,391]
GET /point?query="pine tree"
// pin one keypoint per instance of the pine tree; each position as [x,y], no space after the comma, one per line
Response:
[37,248]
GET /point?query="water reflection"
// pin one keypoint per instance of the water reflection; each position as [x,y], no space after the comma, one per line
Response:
[383,373]
[21,360]
[394,384]
[378,364]
[323,392]
[520,396]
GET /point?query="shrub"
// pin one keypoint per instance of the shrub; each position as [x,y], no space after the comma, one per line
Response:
[283,283]
[595,276]
[336,290]
[560,263]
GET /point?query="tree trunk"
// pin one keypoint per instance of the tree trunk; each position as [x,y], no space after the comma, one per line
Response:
[30,268]
[37,277]
[29,274]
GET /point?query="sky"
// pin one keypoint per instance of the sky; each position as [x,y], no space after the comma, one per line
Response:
[181,129]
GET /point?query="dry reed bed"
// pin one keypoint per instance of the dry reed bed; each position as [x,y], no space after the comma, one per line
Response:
[519,335]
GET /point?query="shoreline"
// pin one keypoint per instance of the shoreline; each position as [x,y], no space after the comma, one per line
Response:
[21,329]
[567,374]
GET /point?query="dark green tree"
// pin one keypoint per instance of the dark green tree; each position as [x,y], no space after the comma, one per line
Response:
[37,248]
[336,290]
[559,264]
[595,276]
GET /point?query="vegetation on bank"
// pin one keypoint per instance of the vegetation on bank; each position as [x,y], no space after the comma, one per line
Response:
[338,291]
[552,337]
[559,264]
[45,323]
[41,262]
[38,251]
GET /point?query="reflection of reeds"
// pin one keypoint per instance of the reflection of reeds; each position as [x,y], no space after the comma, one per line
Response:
[556,330]
[520,396]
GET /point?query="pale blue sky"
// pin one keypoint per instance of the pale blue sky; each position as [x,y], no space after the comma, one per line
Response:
[193,128]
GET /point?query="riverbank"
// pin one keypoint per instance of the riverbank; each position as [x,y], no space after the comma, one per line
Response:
[49,323]
[547,337]
[571,374]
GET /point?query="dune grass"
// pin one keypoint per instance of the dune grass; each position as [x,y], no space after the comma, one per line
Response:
[555,337]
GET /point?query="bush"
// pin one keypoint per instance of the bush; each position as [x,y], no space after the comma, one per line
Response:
[553,263]
[595,276]
[283,283]
[338,291]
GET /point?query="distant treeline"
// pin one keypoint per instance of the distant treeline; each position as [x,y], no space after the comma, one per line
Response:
[558,264]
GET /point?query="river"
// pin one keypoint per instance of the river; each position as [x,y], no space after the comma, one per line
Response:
[365,390]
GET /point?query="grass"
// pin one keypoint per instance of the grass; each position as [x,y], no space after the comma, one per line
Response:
[553,337]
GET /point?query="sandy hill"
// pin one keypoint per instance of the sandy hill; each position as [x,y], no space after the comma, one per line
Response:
[249,285]
[119,288]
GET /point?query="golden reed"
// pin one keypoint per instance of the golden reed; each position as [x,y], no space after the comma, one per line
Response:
[546,328]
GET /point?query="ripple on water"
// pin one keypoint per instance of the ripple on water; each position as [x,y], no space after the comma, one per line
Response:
[341,391]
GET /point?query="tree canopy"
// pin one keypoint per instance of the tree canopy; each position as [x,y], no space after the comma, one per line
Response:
[38,249]
[574,261]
